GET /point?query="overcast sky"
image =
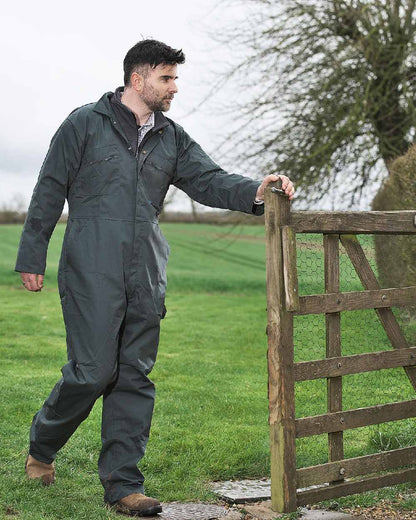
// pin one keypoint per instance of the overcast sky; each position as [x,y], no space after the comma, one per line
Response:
[57,56]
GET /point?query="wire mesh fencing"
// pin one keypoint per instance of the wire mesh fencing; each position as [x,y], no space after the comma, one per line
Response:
[361,332]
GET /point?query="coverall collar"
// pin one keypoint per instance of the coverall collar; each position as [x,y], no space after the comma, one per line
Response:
[102,106]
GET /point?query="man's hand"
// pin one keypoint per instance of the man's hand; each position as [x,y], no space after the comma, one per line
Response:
[287,186]
[32,282]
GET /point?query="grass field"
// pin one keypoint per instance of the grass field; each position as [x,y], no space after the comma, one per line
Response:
[210,419]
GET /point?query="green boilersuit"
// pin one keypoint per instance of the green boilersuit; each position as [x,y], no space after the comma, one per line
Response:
[112,273]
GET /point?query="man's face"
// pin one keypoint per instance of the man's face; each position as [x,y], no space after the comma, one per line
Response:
[159,87]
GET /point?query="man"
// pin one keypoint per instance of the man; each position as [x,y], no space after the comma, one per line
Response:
[114,161]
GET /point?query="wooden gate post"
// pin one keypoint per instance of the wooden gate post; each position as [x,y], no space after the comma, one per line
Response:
[333,343]
[280,359]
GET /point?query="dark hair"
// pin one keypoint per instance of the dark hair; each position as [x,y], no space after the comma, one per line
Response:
[150,53]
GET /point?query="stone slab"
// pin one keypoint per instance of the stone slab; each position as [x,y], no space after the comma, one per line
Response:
[188,511]
[243,491]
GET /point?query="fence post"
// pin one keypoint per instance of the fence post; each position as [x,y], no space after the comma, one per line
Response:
[280,359]
[333,343]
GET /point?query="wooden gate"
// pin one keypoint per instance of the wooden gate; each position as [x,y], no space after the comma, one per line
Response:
[292,487]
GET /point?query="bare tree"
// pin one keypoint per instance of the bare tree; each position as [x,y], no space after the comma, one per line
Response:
[329,89]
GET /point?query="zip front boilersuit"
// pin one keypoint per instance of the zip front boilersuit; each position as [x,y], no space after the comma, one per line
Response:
[112,273]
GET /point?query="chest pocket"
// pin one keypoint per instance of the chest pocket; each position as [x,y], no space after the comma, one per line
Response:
[99,173]
[157,175]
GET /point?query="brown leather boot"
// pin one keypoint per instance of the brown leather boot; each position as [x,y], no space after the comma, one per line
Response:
[39,470]
[138,505]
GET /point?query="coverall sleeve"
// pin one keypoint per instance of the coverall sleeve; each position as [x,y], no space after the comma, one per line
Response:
[58,170]
[204,181]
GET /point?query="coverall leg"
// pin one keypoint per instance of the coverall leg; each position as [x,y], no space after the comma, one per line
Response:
[92,343]
[128,405]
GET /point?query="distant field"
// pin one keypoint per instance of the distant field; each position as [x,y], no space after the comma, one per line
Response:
[210,421]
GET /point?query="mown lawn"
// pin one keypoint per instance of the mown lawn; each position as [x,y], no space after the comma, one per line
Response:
[210,419]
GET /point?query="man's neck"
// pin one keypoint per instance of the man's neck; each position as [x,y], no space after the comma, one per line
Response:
[140,110]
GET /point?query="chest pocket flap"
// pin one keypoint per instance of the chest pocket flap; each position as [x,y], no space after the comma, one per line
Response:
[99,172]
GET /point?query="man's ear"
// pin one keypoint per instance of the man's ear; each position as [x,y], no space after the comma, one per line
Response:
[137,81]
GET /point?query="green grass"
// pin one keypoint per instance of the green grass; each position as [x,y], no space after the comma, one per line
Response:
[210,420]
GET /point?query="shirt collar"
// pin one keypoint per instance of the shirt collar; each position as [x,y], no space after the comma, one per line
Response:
[150,123]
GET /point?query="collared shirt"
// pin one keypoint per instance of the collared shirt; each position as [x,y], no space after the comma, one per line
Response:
[142,130]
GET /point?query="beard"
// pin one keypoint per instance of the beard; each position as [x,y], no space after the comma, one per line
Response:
[154,101]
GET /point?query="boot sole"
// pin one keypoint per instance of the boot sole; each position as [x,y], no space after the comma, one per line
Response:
[148,511]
